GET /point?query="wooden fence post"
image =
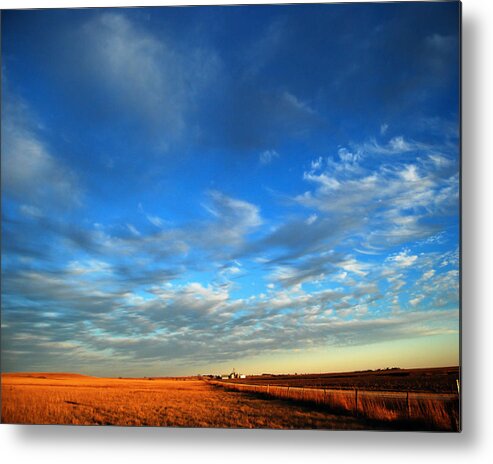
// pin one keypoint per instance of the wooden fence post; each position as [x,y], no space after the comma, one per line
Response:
[340,398]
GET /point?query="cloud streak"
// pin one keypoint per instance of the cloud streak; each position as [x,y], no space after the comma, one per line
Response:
[31,173]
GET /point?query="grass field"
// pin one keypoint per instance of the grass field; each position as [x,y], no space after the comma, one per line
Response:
[423,399]
[74,399]
[398,410]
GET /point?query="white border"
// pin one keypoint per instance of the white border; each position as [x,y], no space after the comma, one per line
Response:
[126,445]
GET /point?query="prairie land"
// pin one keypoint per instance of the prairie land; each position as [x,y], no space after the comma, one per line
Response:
[75,399]
[419,399]
[429,380]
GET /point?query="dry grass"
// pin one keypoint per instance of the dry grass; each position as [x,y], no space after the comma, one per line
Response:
[69,399]
[397,409]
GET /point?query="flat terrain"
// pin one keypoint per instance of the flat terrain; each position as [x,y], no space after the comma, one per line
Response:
[431,380]
[74,399]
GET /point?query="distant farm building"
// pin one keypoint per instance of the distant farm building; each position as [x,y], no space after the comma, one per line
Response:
[232,375]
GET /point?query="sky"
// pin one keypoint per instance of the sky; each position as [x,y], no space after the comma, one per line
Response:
[269,188]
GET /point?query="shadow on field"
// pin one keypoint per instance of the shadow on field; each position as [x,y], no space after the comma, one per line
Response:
[415,425]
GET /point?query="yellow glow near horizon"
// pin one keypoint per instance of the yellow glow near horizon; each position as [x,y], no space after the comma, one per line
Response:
[431,351]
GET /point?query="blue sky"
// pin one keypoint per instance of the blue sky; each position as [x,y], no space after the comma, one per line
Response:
[274,188]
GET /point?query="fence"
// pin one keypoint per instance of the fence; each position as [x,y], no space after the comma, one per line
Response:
[433,410]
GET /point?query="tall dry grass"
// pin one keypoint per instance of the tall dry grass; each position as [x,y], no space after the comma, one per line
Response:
[62,399]
[403,409]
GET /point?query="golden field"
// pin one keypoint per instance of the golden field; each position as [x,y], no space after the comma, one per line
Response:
[392,409]
[73,399]
[417,399]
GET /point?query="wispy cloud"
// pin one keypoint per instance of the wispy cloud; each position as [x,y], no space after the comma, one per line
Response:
[403,259]
[392,200]
[31,173]
[146,76]
[267,156]
[194,321]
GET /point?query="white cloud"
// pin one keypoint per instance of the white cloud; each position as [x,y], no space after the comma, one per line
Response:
[399,145]
[417,300]
[30,211]
[234,212]
[409,173]
[149,78]
[267,156]
[393,201]
[88,267]
[326,182]
[156,220]
[341,276]
[403,259]
[31,172]
[133,230]
[231,270]
[428,274]
[396,146]
[311,219]
[297,103]
[439,160]
[352,265]
[316,164]
[153,219]
[232,220]
[398,284]
[348,157]
[191,299]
